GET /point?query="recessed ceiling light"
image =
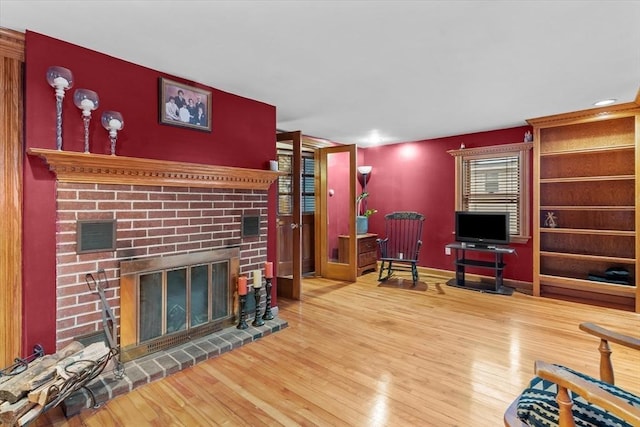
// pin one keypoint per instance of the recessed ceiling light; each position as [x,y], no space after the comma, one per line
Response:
[604,102]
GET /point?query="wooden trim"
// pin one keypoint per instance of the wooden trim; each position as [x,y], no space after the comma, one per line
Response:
[492,150]
[104,169]
[11,44]
[11,125]
[593,114]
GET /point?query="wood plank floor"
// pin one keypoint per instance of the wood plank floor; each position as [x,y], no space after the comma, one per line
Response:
[367,355]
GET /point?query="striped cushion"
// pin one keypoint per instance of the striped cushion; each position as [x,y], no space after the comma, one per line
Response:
[538,407]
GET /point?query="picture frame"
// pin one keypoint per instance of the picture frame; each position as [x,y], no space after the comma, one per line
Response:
[183,105]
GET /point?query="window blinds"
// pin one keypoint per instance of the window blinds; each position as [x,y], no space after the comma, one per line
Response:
[493,185]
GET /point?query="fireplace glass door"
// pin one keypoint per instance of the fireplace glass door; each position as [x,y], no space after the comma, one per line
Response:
[179,299]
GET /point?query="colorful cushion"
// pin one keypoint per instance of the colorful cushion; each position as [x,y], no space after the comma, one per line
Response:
[538,407]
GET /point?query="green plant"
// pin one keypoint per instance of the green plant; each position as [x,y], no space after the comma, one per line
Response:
[367,212]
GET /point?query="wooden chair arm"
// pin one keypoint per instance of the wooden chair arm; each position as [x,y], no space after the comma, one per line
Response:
[589,391]
[611,336]
[606,336]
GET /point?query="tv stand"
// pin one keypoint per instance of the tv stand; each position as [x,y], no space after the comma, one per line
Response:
[462,262]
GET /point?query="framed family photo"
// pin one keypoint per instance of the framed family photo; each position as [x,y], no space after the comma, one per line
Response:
[185,106]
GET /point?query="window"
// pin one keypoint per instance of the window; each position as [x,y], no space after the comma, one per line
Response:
[285,184]
[496,179]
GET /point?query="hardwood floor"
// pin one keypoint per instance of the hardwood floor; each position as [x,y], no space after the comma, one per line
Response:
[367,355]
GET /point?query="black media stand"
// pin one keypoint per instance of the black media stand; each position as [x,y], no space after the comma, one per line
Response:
[462,262]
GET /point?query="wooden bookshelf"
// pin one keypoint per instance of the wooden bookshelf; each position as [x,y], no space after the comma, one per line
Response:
[586,173]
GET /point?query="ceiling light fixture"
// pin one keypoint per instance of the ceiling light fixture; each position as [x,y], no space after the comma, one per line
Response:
[604,102]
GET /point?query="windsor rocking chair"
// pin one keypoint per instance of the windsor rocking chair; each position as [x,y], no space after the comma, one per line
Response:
[400,248]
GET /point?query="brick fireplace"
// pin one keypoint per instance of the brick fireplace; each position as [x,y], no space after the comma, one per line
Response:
[161,209]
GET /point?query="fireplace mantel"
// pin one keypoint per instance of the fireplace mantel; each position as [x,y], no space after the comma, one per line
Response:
[70,166]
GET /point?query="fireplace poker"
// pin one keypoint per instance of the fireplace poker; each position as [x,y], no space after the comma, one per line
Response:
[108,319]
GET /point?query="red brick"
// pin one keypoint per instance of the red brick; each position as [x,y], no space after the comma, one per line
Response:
[186,196]
[188,247]
[76,206]
[76,310]
[96,195]
[146,242]
[114,187]
[132,215]
[129,234]
[66,323]
[76,332]
[175,189]
[77,186]
[161,196]
[92,216]
[164,249]
[147,205]
[162,214]
[175,239]
[187,230]
[85,267]
[201,221]
[161,232]
[175,222]
[175,205]
[114,206]
[125,195]
[67,195]
[147,223]
[147,188]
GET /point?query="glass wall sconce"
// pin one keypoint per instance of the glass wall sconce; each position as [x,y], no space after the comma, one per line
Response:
[87,101]
[61,79]
[113,122]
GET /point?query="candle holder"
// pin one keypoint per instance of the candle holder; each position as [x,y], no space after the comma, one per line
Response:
[242,322]
[257,321]
[268,315]
[113,122]
[61,79]
[87,101]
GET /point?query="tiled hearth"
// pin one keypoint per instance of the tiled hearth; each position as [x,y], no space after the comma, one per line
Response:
[159,365]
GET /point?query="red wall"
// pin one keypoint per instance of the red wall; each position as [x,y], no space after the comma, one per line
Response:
[239,125]
[419,176]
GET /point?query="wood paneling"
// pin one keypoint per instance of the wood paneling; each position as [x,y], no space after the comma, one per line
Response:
[359,354]
[11,82]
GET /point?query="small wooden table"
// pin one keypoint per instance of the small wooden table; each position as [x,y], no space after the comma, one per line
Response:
[367,251]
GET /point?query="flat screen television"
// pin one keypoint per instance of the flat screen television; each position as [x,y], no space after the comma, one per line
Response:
[482,228]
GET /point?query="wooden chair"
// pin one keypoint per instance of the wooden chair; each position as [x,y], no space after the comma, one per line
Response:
[399,249]
[548,393]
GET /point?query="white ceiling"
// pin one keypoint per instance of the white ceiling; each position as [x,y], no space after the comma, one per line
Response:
[340,70]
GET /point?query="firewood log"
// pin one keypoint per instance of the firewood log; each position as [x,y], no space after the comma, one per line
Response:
[76,362]
[41,394]
[10,412]
[18,386]
[31,415]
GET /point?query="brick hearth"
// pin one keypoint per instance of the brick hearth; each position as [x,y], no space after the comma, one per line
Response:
[159,365]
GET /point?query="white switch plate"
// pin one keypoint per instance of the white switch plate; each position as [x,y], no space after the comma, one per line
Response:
[447,251]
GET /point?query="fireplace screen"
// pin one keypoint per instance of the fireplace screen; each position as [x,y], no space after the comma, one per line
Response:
[175,300]
[170,300]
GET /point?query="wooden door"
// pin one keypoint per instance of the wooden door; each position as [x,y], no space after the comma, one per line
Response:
[336,207]
[289,242]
